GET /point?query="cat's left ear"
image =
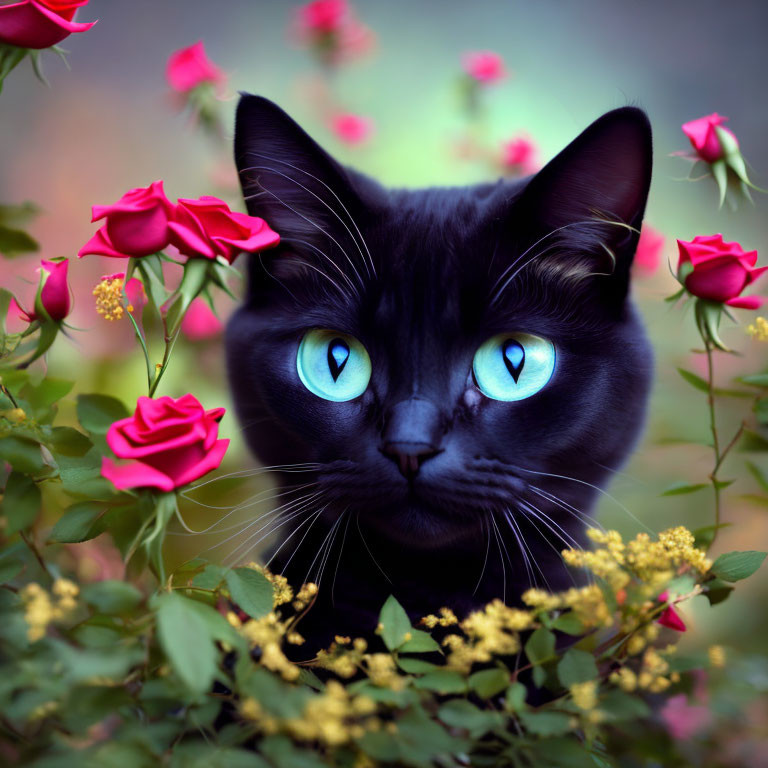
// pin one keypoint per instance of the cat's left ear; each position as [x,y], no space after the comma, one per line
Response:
[586,206]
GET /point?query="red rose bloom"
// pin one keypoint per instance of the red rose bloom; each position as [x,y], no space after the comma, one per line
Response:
[168,443]
[137,224]
[40,23]
[704,138]
[485,67]
[207,228]
[717,271]
[352,129]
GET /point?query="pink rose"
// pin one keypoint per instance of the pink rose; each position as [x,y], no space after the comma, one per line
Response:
[200,322]
[352,129]
[137,224]
[485,67]
[519,155]
[40,23]
[649,248]
[704,138]
[207,228]
[191,67]
[717,271]
[168,443]
[53,301]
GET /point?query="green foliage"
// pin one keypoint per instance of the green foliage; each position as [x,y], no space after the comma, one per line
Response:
[735,566]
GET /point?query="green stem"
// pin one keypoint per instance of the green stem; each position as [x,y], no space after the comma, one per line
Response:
[715,436]
[170,342]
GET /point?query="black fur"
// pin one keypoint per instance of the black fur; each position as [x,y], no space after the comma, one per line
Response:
[422,278]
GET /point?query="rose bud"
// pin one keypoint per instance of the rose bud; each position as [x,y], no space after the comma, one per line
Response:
[669,617]
[704,137]
[136,225]
[166,443]
[207,228]
[190,67]
[53,300]
[717,271]
[485,67]
[40,24]
[352,129]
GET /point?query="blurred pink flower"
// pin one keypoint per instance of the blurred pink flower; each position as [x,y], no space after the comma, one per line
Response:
[704,138]
[519,156]
[352,129]
[684,720]
[137,224]
[331,29]
[649,248]
[323,15]
[191,67]
[485,67]
[40,24]
[207,228]
[200,322]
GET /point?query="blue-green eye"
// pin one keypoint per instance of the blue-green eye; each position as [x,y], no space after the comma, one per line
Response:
[333,365]
[513,366]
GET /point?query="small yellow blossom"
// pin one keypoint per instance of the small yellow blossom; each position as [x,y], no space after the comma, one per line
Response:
[625,678]
[759,330]
[717,656]
[584,694]
[109,297]
[382,671]
[446,618]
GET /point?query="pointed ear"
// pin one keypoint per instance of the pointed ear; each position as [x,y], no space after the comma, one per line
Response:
[582,212]
[286,177]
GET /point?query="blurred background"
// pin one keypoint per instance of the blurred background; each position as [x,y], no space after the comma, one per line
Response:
[112,122]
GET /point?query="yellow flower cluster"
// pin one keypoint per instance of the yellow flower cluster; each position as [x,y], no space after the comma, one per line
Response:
[333,717]
[42,608]
[109,298]
[759,330]
[283,593]
[653,563]
[344,657]
[446,619]
[584,695]
[493,630]
[267,634]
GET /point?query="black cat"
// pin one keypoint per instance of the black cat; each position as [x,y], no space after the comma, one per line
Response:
[445,377]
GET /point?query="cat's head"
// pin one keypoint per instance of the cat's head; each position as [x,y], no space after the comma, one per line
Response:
[435,353]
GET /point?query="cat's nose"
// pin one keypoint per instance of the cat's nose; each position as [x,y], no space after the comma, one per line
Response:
[412,434]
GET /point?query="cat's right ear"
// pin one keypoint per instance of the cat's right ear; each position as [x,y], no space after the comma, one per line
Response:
[287,178]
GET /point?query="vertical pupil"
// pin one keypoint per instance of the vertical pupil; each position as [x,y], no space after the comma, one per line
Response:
[338,354]
[514,357]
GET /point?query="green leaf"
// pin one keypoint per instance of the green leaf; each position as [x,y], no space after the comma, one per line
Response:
[10,568]
[69,441]
[735,566]
[694,380]
[545,723]
[759,474]
[76,524]
[678,489]
[21,502]
[619,706]
[489,682]
[466,716]
[568,623]
[755,380]
[251,590]
[14,242]
[395,623]
[540,646]
[22,453]
[96,413]
[718,591]
[112,597]
[514,700]
[210,577]
[576,667]
[186,641]
[442,681]
[415,666]
[420,642]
